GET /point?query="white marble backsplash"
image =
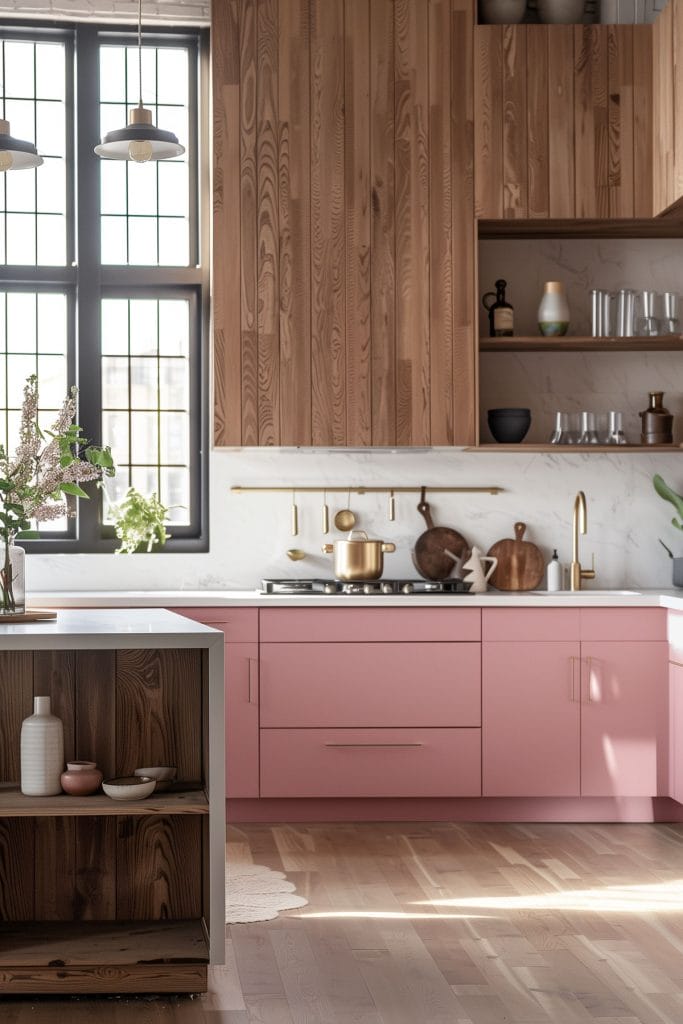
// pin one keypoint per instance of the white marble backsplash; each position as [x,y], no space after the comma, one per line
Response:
[250,533]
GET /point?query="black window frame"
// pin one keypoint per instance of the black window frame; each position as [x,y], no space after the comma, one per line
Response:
[86,281]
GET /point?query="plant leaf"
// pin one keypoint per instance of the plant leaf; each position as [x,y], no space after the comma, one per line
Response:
[664,491]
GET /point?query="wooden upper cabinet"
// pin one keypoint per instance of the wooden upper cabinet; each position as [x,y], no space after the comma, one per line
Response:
[343,274]
[563,121]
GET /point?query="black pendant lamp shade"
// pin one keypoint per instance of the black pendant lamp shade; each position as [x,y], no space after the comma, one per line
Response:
[140,140]
[15,154]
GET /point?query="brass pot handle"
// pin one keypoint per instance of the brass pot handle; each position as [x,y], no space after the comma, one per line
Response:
[388,547]
[327,549]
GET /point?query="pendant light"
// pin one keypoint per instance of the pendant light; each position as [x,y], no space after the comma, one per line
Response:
[15,154]
[140,140]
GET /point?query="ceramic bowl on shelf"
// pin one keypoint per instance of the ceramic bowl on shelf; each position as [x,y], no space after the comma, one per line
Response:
[509,426]
[163,775]
[501,12]
[132,787]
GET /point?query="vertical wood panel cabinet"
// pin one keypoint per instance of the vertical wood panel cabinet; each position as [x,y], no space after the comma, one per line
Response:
[98,895]
[377,718]
[588,717]
[563,121]
[344,250]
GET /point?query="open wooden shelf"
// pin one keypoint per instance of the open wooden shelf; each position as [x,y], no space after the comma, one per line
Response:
[576,449]
[13,804]
[42,957]
[668,225]
[662,343]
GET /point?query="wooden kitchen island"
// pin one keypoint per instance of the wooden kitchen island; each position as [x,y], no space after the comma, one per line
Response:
[98,895]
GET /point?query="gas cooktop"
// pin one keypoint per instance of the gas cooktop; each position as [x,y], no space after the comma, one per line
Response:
[364,587]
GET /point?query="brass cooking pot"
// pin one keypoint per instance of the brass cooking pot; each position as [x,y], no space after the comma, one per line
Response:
[358,558]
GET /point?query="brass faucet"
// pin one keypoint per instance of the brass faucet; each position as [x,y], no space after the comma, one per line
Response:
[579,526]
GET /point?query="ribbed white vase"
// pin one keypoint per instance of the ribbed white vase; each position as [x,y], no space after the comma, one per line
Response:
[42,751]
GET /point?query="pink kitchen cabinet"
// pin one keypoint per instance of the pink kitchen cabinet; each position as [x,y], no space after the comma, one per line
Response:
[570,717]
[676,734]
[240,628]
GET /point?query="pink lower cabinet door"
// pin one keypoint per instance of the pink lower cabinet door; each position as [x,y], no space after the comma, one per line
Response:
[241,720]
[531,693]
[676,727]
[624,734]
[370,762]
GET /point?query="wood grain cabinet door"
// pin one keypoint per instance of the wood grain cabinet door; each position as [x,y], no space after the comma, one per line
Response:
[563,121]
[624,736]
[531,718]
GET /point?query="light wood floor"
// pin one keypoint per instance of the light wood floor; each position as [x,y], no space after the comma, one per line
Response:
[441,924]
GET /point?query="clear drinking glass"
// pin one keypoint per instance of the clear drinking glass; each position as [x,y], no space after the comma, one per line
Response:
[588,434]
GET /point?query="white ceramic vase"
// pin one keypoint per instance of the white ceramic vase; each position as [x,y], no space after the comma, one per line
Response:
[42,751]
[553,310]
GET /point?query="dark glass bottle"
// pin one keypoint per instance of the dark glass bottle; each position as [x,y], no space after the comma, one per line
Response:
[501,316]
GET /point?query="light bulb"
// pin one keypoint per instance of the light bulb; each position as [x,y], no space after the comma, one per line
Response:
[140,151]
[6,160]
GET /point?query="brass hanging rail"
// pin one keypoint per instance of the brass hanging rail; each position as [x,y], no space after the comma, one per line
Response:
[238,489]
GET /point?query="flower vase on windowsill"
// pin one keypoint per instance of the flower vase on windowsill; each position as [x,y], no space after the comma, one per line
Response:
[12,579]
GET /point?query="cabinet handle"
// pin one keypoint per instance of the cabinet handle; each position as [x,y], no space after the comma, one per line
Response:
[590,681]
[253,671]
[572,690]
[373,744]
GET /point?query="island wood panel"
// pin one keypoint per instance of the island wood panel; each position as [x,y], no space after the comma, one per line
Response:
[245,131]
[383,235]
[95,679]
[643,121]
[159,711]
[365,349]
[148,884]
[267,253]
[295,222]
[411,97]
[17,891]
[463,238]
[228,176]
[54,675]
[357,175]
[537,123]
[16,704]
[561,146]
[515,180]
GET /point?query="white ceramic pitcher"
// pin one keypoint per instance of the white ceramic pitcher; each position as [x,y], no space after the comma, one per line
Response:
[475,573]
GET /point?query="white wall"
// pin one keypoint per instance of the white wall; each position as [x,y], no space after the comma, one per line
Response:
[250,533]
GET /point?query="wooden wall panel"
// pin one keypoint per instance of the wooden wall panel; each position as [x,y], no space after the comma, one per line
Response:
[591,132]
[515,187]
[643,131]
[561,143]
[488,122]
[620,175]
[295,223]
[382,242]
[328,263]
[537,121]
[411,98]
[226,223]
[677,43]
[357,173]
[663,110]
[355,309]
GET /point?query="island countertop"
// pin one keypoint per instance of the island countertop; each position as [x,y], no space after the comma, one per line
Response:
[97,628]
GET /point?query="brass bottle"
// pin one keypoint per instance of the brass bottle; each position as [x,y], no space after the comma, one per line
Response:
[656,421]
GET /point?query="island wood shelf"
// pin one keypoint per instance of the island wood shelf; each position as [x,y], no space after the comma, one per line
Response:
[13,804]
[661,343]
[141,956]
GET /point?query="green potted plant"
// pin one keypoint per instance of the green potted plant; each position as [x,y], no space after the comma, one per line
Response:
[35,481]
[139,522]
[664,491]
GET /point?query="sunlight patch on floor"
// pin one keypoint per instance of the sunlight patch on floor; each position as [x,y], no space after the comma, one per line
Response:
[663,897]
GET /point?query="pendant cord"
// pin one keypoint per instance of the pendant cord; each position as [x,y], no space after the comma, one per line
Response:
[140,48]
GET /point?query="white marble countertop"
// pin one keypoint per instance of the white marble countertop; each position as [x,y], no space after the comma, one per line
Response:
[108,628]
[254,599]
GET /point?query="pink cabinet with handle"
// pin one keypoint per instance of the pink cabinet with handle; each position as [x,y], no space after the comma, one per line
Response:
[676,728]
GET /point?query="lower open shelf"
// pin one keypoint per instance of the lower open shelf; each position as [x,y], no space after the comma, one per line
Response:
[103,956]
[13,804]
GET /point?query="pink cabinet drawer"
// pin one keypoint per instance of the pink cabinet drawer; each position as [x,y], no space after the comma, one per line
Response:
[623,624]
[240,625]
[344,625]
[530,624]
[370,762]
[370,684]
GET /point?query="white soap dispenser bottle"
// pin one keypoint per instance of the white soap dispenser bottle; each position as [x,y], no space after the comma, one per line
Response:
[554,572]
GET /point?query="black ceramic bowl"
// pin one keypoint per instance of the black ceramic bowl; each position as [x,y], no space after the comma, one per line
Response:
[509,426]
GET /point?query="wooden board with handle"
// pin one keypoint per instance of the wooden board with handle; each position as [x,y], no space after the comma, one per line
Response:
[439,550]
[520,564]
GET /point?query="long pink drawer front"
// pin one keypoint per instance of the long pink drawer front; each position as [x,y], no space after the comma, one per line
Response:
[530,624]
[370,762]
[240,625]
[370,684]
[290,625]
[623,624]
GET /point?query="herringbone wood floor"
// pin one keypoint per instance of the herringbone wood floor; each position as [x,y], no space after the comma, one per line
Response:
[441,924]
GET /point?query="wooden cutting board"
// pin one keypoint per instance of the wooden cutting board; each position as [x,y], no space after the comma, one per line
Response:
[520,564]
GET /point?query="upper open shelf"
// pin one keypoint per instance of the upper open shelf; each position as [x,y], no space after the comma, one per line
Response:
[664,343]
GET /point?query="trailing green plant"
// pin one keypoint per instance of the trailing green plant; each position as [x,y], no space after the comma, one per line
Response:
[139,522]
[664,491]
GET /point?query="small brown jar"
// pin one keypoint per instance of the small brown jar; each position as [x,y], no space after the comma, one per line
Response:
[656,421]
[81,778]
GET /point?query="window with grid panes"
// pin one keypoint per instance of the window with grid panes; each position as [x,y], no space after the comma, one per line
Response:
[103,267]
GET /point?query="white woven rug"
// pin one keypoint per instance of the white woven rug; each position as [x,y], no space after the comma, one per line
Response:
[255,893]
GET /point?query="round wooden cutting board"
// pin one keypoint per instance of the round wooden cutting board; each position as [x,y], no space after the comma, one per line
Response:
[520,564]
